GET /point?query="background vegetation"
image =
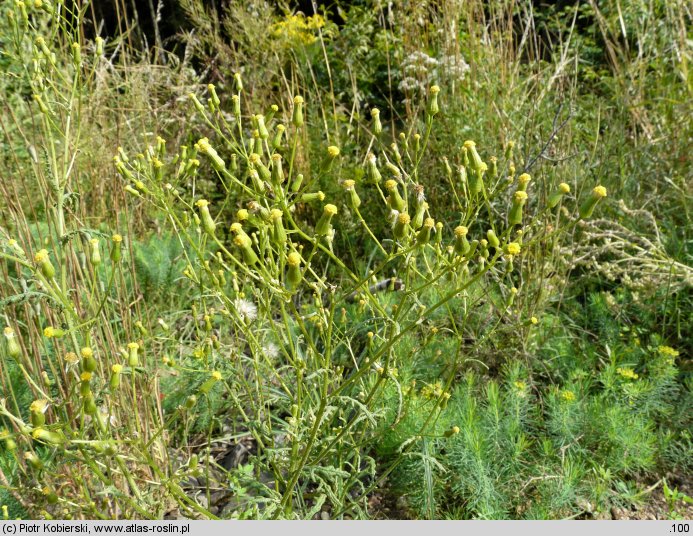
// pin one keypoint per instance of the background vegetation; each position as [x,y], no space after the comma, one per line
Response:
[159,370]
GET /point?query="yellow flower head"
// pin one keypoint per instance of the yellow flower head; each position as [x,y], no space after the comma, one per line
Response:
[39,406]
[520,196]
[568,396]
[461,230]
[333,151]
[202,203]
[330,209]
[348,184]
[85,376]
[293,259]
[599,191]
[87,352]
[117,369]
[216,375]
[513,248]
[469,144]
[390,185]
[627,373]
[564,188]
[117,238]
[297,29]
[203,145]
[668,351]
[403,218]
[41,256]
[434,90]
[524,179]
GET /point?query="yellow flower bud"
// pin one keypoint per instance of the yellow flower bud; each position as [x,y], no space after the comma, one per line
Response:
[323,227]
[556,197]
[13,348]
[294,275]
[475,162]
[433,107]
[492,238]
[587,207]
[402,225]
[377,125]
[116,250]
[279,231]
[277,171]
[424,234]
[95,253]
[373,173]
[297,116]
[207,221]
[204,147]
[515,214]
[395,200]
[462,246]
[133,358]
[47,269]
